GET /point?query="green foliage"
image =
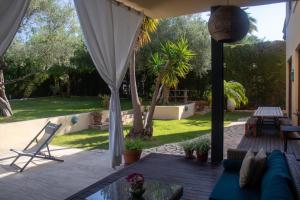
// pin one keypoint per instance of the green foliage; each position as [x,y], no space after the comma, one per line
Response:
[133,144]
[173,62]
[187,145]
[105,101]
[235,92]
[202,145]
[260,68]
[194,29]
[148,26]
[47,37]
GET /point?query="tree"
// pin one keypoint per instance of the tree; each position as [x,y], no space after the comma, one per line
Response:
[5,108]
[235,94]
[260,68]
[46,38]
[191,27]
[149,25]
[168,66]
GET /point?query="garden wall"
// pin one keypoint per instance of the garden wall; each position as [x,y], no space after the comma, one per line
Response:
[16,135]
[174,112]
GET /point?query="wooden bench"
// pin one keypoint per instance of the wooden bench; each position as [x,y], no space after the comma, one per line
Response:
[251,126]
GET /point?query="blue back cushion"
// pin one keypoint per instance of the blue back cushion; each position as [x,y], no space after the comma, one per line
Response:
[277,179]
[228,188]
[232,165]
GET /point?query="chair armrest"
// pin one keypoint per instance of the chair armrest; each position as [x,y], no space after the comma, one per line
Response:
[236,154]
[232,165]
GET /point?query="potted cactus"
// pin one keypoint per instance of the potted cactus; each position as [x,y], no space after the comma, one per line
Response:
[133,150]
[202,147]
[188,148]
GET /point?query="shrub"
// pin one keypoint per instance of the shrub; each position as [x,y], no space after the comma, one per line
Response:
[105,101]
[133,144]
[202,145]
[187,145]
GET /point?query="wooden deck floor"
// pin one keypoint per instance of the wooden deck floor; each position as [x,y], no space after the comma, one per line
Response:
[269,140]
[197,180]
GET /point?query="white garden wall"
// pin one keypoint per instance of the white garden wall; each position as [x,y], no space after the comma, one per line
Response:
[174,112]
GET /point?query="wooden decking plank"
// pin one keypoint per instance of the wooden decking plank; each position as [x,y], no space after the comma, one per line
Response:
[197,179]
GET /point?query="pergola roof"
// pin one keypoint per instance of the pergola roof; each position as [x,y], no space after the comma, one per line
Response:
[171,8]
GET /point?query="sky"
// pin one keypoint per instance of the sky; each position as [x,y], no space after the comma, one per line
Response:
[270,20]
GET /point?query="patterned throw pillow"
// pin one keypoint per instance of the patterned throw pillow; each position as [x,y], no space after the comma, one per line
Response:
[259,168]
[245,171]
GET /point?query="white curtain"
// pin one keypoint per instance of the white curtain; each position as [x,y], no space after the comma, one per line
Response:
[11,15]
[110,31]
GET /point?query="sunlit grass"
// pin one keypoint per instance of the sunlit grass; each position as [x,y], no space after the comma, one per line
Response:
[55,106]
[165,131]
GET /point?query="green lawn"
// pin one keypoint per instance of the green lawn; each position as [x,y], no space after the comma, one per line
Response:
[165,131]
[55,106]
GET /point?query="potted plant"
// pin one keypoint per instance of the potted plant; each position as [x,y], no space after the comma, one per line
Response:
[133,150]
[188,148]
[136,182]
[202,147]
[96,118]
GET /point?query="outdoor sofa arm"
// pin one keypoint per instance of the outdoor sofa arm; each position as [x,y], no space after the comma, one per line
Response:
[236,154]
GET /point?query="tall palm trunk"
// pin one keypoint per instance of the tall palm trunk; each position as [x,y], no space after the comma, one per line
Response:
[138,128]
[166,95]
[155,99]
[5,108]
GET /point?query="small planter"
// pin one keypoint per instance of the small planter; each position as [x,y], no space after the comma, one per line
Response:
[188,148]
[96,117]
[131,156]
[202,156]
[189,154]
[202,147]
[133,150]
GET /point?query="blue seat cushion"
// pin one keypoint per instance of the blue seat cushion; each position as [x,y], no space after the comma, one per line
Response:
[228,188]
[276,166]
[277,180]
[278,189]
[232,165]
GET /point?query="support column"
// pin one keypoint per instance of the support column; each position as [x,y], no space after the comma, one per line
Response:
[217,125]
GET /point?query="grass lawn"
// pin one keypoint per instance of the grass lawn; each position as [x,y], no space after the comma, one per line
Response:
[165,131]
[55,106]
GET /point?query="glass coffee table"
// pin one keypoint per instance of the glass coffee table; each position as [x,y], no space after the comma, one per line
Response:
[155,190]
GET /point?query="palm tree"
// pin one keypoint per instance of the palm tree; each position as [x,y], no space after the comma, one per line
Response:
[149,25]
[180,55]
[235,93]
[172,64]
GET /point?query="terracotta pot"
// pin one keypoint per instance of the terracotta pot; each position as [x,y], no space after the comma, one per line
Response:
[202,156]
[189,154]
[97,118]
[131,156]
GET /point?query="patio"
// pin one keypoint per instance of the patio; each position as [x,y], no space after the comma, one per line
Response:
[51,180]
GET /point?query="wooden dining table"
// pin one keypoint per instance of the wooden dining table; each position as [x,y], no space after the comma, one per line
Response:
[268,112]
[268,115]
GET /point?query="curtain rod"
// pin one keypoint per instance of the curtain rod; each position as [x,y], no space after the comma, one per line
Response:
[129,8]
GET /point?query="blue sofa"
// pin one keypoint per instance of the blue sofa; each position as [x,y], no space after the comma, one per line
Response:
[276,183]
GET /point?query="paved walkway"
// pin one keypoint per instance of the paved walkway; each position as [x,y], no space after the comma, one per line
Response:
[233,134]
[49,180]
